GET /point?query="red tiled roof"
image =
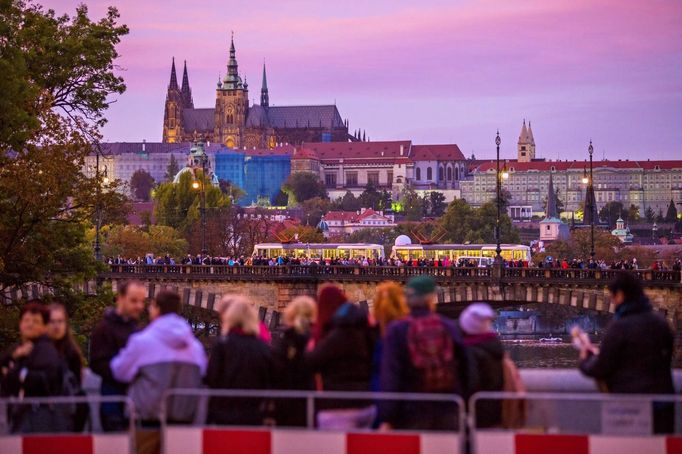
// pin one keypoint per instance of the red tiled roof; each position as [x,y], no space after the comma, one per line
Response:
[382,151]
[350,216]
[304,153]
[442,152]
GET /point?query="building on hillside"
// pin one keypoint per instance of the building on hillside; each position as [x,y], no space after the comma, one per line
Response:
[622,232]
[336,223]
[236,123]
[260,173]
[390,166]
[552,228]
[644,183]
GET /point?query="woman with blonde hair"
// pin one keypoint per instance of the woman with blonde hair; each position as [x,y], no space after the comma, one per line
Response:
[389,305]
[240,359]
[289,355]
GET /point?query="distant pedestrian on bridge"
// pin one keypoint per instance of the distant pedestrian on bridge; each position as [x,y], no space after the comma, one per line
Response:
[636,353]
[108,338]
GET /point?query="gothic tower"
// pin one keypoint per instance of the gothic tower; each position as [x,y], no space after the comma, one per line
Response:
[172,116]
[186,91]
[526,144]
[231,105]
[264,98]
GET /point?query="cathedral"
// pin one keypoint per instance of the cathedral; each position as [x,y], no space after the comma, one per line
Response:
[236,124]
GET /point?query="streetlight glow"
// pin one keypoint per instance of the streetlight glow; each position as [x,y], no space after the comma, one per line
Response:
[195,184]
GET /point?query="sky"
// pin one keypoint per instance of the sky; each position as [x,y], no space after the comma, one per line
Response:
[433,71]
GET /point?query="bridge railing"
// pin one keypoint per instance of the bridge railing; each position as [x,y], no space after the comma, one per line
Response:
[355,272]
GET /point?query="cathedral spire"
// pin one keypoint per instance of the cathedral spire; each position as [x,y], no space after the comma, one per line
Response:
[173,85]
[232,80]
[551,211]
[186,90]
[264,98]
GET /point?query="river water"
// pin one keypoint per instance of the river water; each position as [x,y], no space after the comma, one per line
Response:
[535,354]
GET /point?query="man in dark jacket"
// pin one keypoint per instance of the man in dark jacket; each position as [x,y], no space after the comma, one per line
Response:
[108,338]
[32,369]
[423,353]
[636,352]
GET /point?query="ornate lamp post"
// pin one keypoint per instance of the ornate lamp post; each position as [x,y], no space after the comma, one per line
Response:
[98,208]
[498,249]
[590,149]
[201,185]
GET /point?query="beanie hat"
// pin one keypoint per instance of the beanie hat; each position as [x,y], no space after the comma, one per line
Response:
[473,318]
[421,285]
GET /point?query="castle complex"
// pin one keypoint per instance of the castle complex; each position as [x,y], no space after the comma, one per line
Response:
[236,124]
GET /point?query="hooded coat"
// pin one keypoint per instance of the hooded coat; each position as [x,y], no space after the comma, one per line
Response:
[163,356]
[636,352]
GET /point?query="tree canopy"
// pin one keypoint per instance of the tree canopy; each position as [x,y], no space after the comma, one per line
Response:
[465,224]
[302,186]
[141,185]
[57,81]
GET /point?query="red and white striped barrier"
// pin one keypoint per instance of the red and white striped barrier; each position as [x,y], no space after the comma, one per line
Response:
[66,444]
[511,443]
[184,440]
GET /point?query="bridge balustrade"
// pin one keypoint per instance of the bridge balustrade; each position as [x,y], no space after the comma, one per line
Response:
[352,272]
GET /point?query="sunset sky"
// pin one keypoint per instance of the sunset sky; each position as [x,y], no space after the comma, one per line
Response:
[434,71]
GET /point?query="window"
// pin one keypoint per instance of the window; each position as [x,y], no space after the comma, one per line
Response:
[456,173]
[449,172]
[429,174]
[373,178]
[389,177]
[419,173]
[440,174]
[330,180]
[351,178]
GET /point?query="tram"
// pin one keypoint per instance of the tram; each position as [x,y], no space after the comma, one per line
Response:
[405,250]
[319,250]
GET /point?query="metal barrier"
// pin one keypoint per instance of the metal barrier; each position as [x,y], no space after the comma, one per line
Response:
[575,423]
[38,425]
[313,433]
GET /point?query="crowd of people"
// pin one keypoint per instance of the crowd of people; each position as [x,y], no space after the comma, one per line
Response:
[467,262]
[328,343]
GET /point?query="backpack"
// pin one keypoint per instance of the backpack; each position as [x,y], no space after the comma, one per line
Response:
[432,353]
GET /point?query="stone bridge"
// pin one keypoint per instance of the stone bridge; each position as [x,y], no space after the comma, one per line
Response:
[274,287]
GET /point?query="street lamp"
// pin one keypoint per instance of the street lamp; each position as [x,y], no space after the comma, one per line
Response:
[498,249]
[590,150]
[98,208]
[585,179]
[196,184]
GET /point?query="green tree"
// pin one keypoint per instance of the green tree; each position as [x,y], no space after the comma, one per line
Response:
[166,240]
[172,169]
[649,215]
[301,186]
[633,213]
[304,234]
[412,204]
[141,185]
[348,202]
[313,209]
[476,225]
[376,200]
[177,204]
[671,214]
[579,246]
[611,211]
[57,82]
[437,204]
[454,221]
[281,199]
